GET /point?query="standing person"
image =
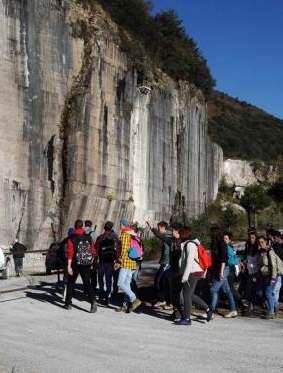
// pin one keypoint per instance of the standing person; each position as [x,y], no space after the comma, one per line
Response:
[278,248]
[220,272]
[108,247]
[127,267]
[252,268]
[62,256]
[174,271]
[88,230]
[160,284]
[81,255]
[233,263]
[18,250]
[268,275]
[191,272]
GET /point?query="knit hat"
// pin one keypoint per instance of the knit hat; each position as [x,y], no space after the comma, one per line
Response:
[125,222]
[71,231]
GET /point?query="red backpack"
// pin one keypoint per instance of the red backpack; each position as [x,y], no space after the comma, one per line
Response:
[204,257]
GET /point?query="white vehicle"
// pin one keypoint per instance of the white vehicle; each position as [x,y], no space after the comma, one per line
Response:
[4,267]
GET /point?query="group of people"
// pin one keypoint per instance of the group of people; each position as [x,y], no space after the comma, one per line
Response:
[257,273]
[107,258]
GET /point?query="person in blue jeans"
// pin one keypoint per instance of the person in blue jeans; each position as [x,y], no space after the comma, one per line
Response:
[268,275]
[220,273]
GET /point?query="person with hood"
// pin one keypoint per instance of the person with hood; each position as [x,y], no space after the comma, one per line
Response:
[127,268]
[88,230]
[191,272]
[81,254]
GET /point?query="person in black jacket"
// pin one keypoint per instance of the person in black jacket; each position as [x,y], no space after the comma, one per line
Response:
[221,270]
[18,250]
[174,274]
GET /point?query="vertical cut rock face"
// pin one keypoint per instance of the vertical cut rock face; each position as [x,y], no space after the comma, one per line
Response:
[80,138]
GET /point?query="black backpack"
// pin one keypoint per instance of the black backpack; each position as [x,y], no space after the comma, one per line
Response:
[82,248]
[107,250]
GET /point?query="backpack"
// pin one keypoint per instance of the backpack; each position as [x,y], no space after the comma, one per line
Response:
[204,257]
[233,259]
[107,250]
[136,248]
[82,247]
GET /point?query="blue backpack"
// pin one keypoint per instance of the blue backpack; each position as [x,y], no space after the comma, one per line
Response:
[233,260]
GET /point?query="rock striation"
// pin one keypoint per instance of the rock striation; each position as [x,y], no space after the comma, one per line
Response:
[80,135]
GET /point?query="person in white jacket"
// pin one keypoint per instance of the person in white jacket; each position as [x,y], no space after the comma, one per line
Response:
[191,273]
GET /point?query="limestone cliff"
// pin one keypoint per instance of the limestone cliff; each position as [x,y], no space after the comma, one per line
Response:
[79,138]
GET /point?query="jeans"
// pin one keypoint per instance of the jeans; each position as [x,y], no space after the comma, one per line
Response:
[135,277]
[18,265]
[124,283]
[106,270]
[216,286]
[267,289]
[276,291]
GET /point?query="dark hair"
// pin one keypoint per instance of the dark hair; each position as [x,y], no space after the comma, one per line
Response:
[263,238]
[88,223]
[277,234]
[163,224]
[270,231]
[185,233]
[78,224]
[216,237]
[108,226]
[229,234]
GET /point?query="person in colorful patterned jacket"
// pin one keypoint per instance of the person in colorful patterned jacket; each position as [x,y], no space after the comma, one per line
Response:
[127,268]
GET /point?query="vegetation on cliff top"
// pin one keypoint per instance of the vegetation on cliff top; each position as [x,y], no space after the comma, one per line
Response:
[242,130]
[161,38]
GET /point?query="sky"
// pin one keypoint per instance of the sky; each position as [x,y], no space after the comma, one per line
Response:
[242,41]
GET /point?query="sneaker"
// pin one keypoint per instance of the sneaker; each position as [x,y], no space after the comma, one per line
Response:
[168,307]
[67,307]
[231,314]
[93,307]
[159,304]
[175,316]
[121,309]
[269,316]
[183,322]
[137,302]
[209,315]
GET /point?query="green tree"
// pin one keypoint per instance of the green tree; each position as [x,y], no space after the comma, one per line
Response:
[255,199]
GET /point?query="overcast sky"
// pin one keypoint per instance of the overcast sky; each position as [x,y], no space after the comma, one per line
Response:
[242,41]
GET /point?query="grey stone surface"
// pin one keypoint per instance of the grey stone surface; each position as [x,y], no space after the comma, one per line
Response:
[79,139]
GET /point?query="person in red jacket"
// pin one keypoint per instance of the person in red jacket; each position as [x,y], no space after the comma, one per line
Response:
[81,255]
